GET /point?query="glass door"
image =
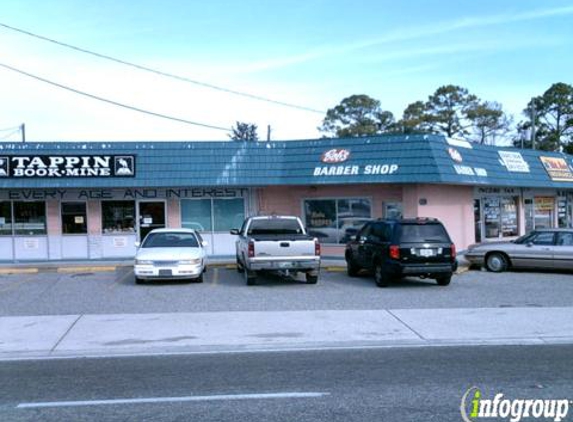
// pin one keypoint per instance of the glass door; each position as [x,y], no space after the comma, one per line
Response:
[151,216]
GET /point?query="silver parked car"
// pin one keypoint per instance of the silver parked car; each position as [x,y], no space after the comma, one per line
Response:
[540,249]
[167,254]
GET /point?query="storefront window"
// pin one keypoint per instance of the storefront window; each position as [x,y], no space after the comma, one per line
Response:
[336,220]
[219,215]
[229,213]
[562,207]
[196,214]
[500,217]
[74,218]
[491,211]
[5,219]
[509,217]
[544,209]
[30,218]
[118,216]
[393,210]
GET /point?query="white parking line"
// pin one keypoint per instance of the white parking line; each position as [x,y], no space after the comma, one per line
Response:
[261,396]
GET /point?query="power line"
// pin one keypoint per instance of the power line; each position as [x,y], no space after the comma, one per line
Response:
[162,73]
[105,100]
[9,128]
[10,134]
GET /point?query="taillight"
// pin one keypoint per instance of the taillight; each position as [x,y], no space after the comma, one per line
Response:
[251,250]
[453,251]
[394,252]
[316,247]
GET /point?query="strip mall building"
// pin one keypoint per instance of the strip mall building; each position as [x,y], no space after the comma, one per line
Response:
[95,200]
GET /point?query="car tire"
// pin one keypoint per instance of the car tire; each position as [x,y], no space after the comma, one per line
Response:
[250,277]
[496,262]
[381,278]
[240,268]
[311,279]
[199,279]
[138,280]
[351,268]
[444,280]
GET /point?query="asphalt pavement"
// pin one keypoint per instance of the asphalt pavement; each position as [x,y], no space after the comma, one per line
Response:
[400,384]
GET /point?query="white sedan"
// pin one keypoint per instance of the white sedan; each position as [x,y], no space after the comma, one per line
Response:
[167,254]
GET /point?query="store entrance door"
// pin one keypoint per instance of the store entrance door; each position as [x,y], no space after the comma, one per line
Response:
[477,219]
[151,215]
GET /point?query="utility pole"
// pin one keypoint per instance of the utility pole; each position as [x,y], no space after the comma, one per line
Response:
[23,132]
[532,110]
[268,133]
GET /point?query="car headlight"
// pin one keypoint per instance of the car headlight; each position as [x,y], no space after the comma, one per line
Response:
[190,261]
[143,262]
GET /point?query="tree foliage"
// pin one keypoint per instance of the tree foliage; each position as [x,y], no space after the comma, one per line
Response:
[357,115]
[488,122]
[552,116]
[447,110]
[244,132]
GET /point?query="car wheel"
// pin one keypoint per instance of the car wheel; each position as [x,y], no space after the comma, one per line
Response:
[240,268]
[496,262]
[311,279]
[250,277]
[444,280]
[138,280]
[351,268]
[199,279]
[382,279]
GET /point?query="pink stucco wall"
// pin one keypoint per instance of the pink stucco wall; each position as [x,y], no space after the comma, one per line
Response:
[173,213]
[453,205]
[94,217]
[53,219]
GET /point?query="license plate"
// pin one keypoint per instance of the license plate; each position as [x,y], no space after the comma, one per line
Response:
[165,272]
[426,252]
[285,264]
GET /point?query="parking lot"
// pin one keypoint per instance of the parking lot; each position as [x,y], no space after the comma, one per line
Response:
[53,293]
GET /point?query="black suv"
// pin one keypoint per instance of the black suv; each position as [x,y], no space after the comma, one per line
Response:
[396,248]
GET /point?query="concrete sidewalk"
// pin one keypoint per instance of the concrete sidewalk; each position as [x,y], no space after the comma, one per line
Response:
[133,334]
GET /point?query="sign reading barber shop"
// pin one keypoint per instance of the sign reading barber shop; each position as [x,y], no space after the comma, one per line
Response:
[57,166]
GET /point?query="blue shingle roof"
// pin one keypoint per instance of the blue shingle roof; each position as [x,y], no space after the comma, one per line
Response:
[420,159]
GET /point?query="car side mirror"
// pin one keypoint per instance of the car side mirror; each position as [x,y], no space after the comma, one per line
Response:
[529,244]
[234,231]
[204,243]
[137,244]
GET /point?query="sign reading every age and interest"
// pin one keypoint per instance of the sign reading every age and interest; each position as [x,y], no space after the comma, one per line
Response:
[513,161]
[557,169]
[57,166]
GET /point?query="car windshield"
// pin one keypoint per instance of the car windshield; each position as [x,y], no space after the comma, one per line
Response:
[275,226]
[170,240]
[424,233]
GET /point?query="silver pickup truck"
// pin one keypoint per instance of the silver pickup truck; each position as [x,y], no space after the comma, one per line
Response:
[276,243]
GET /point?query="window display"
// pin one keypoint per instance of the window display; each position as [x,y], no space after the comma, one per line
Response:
[30,218]
[118,217]
[336,220]
[500,217]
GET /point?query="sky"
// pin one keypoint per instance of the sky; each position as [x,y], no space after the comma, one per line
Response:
[310,53]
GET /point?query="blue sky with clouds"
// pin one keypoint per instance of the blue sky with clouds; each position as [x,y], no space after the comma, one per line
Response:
[312,53]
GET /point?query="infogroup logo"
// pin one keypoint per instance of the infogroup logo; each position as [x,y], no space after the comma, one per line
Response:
[474,407]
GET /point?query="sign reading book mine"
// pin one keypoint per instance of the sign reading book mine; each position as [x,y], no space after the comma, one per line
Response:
[75,166]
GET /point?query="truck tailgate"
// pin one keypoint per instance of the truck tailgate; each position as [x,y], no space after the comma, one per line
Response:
[280,249]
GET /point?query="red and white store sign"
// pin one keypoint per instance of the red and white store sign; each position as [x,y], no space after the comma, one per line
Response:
[334,156]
